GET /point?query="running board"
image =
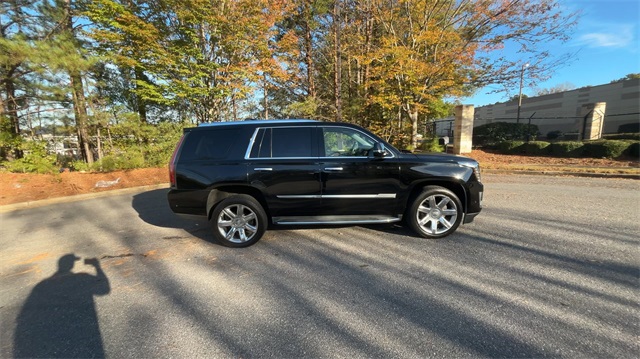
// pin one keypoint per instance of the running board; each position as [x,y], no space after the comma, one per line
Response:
[310,220]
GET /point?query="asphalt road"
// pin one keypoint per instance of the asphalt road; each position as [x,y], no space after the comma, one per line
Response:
[549,269]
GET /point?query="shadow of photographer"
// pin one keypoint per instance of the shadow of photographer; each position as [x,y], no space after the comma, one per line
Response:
[58,319]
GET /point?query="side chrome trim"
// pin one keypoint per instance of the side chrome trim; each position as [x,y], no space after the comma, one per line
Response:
[341,196]
[299,196]
[323,220]
[379,195]
[255,133]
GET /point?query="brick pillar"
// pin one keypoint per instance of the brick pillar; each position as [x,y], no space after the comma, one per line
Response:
[592,120]
[463,129]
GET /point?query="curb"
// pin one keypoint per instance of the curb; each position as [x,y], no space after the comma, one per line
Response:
[562,173]
[78,197]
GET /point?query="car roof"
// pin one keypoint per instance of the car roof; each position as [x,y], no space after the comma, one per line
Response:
[252,124]
[256,122]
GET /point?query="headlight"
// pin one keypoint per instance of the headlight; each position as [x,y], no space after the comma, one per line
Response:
[474,165]
[476,171]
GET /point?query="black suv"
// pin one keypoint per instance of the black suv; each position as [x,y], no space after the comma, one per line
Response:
[247,175]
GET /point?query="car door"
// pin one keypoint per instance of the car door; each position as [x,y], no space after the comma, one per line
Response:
[283,165]
[353,182]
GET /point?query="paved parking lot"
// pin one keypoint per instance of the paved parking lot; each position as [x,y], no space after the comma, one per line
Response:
[549,269]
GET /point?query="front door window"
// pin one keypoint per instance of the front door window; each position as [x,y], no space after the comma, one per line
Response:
[346,142]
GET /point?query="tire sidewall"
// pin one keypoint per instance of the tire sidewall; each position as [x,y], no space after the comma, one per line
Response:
[244,200]
[427,192]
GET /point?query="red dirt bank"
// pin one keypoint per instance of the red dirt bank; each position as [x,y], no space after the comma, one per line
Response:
[19,187]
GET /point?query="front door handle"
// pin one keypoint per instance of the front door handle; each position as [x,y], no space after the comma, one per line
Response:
[263,169]
[332,169]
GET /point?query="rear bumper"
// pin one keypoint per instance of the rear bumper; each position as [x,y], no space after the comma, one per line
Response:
[190,202]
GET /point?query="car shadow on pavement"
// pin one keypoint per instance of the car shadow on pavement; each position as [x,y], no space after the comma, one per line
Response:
[58,319]
[153,208]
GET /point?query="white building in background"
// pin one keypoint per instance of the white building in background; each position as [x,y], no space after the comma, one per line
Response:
[62,145]
[565,111]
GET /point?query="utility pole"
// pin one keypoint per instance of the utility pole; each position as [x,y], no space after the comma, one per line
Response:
[520,95]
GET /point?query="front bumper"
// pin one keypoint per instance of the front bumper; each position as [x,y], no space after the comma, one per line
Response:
[469,217]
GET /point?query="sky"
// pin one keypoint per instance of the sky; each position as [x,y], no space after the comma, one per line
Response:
[606,42]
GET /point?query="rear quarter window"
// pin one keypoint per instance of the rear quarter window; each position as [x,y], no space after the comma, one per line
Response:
[208,145]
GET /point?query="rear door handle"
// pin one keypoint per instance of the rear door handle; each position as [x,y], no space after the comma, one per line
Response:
[332,169]
[263,169]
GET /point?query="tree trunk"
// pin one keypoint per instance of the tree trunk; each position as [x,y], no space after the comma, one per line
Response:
[80,112]
[266,98]
[140,102]
[366,72]
[12,106]
[99,143]
[308,49]
[79,101]
[12,110]
[234,107]
[413,116]
[337,61]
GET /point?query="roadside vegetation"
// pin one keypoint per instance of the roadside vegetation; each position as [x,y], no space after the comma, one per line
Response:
[523,139]
[105,84]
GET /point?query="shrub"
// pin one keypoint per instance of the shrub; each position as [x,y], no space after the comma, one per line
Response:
[510,146]
[130,159]
[553,135]
[64,161]
[536,148]
[571,136]
[566,149]
[633,150]
[622,136]
[432,145]
[629,127]
[79,165]
[492,133]
[137,145]
[605,148]
[35,159]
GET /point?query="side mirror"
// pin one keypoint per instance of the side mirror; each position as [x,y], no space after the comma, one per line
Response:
[379,151]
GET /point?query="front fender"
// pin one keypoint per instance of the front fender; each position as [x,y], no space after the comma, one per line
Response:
[450,171]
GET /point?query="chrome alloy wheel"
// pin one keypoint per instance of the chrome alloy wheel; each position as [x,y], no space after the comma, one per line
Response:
[437,214]
[237,223]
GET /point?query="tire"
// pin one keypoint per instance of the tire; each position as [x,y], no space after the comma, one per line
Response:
[238,221]
[435,213]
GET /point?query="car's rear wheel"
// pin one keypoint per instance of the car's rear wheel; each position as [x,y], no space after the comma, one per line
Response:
[435,213]
[238,221]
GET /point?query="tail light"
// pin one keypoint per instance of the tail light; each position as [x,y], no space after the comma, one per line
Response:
[172,163]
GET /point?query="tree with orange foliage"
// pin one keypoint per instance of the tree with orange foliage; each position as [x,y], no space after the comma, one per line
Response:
[409,54]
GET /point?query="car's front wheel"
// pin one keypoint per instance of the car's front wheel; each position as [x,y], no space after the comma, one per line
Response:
[435,213]
[238,221]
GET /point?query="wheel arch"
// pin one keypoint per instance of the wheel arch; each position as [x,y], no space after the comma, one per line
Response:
[455,187]
[220,193]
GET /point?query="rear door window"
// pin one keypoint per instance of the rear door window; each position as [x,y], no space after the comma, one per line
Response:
[283,142]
